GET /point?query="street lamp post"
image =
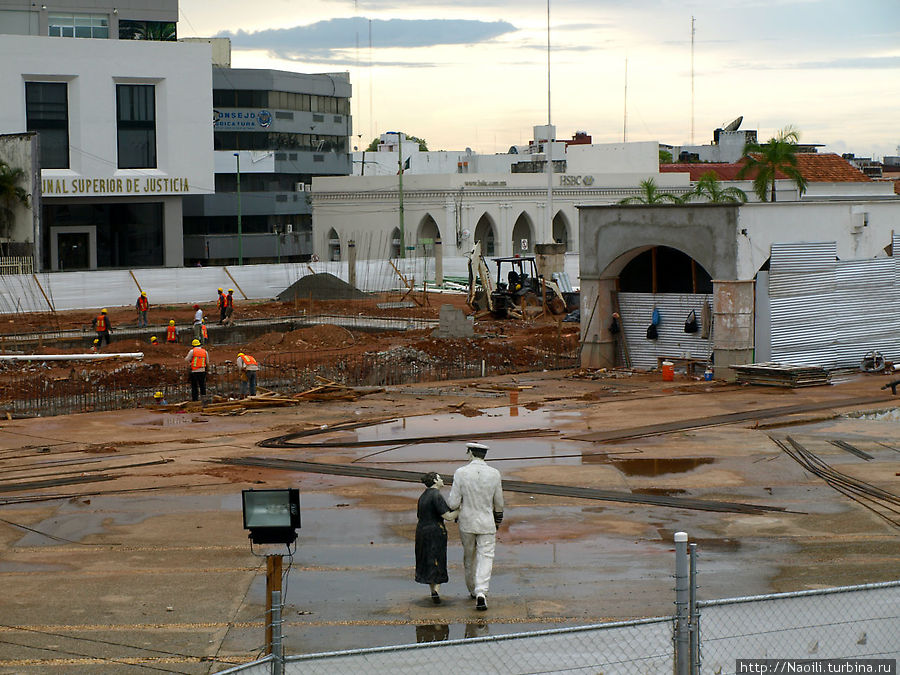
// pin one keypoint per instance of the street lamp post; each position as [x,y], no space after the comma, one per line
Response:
[237,157]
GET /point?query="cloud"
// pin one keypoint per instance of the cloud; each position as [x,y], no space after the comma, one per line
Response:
[865,62]
[324,40]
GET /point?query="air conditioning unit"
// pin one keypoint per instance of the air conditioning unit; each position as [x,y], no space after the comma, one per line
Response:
[289,228]
[301,187]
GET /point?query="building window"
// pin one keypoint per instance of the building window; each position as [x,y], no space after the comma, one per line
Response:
[136,122]
[47,112]
[78,25]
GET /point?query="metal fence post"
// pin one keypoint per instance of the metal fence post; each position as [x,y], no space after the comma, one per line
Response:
[277,646]
[694,612]
[682,599]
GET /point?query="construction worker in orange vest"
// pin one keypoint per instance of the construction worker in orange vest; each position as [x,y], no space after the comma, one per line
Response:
[142,305]
[171,332]
[204,334]
[199,360]
[220,304]
[248,368]
[229,308]
[103,326]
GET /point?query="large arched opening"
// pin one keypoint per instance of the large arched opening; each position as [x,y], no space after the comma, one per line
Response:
[661,269]
[486,234]
[523,236]
[395,243]
[334,246]
[561,230]
[428,233]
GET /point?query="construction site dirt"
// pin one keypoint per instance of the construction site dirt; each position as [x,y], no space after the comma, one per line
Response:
[122,545]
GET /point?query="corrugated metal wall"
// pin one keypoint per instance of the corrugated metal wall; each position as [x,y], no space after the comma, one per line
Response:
[636,310]
[831,312]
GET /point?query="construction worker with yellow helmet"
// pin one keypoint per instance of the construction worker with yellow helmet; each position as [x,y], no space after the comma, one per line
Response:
[103,326]
[248,367]
[142,306]
[159,399]
[198,358]
[154,340]
[171,332]
[229,308]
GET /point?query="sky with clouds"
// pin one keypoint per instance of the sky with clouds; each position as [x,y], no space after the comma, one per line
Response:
[473,73]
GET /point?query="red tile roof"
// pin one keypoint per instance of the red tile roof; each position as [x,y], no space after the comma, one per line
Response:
[815,167]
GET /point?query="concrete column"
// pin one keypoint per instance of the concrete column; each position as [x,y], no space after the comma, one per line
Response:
[351,263]
[598,346]
[550,259]
[732,338]
[438,262]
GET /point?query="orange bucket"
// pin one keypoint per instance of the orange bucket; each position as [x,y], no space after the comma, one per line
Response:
[668,371]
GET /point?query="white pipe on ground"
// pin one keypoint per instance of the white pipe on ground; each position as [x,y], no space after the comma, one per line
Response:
[70,357]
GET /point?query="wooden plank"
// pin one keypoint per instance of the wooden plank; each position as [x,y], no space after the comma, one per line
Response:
[236,284]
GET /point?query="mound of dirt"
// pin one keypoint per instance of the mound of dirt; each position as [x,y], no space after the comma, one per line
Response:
[322,286]
[264,343]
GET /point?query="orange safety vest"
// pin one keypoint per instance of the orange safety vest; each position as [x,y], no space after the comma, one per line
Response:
[198,358]
[203,331]
[171,334]
[229,300]
[101,323]
[143,304]
[249,360]
[220,303]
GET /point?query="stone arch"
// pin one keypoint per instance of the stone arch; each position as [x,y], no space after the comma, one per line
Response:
[394,243]
[334,246]
[523,235]
[561,230]
[428,233]
[661,269]
[486,233]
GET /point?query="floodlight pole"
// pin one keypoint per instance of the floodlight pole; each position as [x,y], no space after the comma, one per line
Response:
[273,583]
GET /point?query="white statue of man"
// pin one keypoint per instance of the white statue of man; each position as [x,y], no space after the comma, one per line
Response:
[478,494]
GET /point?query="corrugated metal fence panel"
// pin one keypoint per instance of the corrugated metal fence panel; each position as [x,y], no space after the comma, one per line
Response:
[636,310]
[801,291]
[895,248]
[867,309]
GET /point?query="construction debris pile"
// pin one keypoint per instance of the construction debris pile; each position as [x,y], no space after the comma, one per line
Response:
[780,375]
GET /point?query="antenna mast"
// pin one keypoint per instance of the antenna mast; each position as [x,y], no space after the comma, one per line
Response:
[625,112]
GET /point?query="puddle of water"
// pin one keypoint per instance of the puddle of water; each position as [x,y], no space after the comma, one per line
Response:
[888,415]
[658,467]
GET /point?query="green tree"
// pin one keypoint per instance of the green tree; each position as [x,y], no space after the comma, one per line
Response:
[423,145]
[709,187]
[11,195]
[764,160]
[651,194]
[665,157]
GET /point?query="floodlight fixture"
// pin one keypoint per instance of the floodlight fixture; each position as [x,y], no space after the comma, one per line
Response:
[272,516]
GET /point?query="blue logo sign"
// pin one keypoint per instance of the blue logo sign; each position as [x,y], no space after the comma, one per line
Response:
[264,118]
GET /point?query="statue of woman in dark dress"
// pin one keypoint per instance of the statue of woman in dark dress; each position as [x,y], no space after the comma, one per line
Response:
[431,535]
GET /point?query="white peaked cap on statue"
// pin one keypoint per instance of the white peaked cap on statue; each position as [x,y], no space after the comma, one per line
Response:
[477,447]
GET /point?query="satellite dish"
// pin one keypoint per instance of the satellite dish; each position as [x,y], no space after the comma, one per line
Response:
[733,126]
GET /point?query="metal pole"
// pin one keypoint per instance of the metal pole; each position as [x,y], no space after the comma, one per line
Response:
[549,146]
[400,164]
[240,238]
[682,598]
[277,645]
[694,614]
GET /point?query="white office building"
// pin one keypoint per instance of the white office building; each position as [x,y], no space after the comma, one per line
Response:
[124,127]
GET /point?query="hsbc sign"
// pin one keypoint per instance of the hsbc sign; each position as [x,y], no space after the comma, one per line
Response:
[580,181]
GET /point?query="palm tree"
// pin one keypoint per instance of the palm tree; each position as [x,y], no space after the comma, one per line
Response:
[778,154]
[11,195]
[651,194]
[710,187]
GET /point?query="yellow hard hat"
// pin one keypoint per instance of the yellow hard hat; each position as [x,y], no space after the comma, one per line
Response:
[144,293]
[231,290]
[103,311]
[171,322]
[158,394]
[96,341]
[153,338]
[240,354]
[195,343]
[219,289]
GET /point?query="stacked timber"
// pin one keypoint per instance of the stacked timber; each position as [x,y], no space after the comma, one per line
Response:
[781,375]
